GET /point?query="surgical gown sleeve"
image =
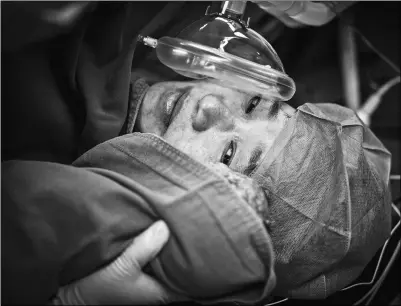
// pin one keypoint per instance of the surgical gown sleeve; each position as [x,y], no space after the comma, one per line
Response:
[61,223]
[67,85]
[24,23]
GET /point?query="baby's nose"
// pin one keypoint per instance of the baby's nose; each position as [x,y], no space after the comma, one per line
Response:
[212,112]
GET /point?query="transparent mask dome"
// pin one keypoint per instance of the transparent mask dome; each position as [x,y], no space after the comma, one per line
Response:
[232,37]
[222,47]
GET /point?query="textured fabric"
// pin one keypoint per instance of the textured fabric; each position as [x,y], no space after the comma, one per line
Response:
[247,189]
[60,223]
[326,178]
[138,90]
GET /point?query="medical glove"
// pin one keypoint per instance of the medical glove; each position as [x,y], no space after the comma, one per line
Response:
[122,281]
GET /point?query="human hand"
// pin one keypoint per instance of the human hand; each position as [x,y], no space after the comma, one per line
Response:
[278,10]
[295,14]
[122,281]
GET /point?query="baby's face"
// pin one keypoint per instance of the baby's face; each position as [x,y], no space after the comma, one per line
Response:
[213,123]
[246,188]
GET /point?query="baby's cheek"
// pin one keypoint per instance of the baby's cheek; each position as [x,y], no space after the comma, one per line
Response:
[191,146]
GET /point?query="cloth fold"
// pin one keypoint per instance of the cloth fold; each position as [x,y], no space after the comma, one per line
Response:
[327,181]
[81,217]
[138,90]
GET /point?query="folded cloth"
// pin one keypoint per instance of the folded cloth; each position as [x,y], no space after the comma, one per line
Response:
[61,223]
[247,189]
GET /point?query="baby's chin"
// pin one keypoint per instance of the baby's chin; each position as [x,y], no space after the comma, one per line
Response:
[246,188]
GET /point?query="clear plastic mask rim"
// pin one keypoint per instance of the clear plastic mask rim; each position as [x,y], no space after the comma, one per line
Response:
[220,58]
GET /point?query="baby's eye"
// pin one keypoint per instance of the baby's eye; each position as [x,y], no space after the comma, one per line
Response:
[228,153]
[253,102]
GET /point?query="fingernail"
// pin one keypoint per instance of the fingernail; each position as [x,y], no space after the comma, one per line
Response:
[160,229]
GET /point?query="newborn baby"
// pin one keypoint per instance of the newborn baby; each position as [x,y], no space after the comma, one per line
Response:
[247,189]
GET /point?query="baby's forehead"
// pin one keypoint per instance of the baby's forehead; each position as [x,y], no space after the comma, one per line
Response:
[218,84]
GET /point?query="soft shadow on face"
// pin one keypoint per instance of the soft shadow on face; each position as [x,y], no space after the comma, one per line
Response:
[212,123]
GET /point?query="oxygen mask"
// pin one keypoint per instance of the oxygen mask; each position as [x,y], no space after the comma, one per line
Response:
[223,47]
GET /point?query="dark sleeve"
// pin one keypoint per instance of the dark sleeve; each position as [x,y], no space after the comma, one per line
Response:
[67,85]
[26,22]
[60,223]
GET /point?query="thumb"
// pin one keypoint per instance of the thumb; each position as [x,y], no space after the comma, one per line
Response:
[147,245]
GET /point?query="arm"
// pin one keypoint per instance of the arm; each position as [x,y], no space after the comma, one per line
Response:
[71,221]
[123,282]
[67,84]
[60,224]
[299,13]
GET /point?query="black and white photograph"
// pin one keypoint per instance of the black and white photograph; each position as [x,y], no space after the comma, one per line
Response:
[219,153]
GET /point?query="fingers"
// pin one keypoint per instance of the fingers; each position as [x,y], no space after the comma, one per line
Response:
[123,282]
[147,245]
[154,292]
